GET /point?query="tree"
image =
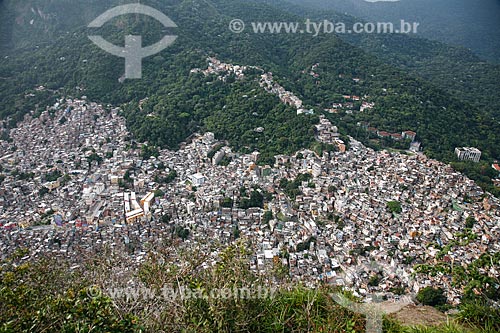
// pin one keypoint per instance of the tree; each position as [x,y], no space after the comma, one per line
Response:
[236,232]
[166,218]
[256,200]
[170,177]
[431,296]
[94,157]
[226,202]
[43,191]
[374,281]
[394,207]
[470,221]
[53,176]
[148,151]
[182,233]
[126,177]
[267,217]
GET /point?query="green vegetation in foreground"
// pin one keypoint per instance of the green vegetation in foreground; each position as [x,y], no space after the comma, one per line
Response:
[45,295]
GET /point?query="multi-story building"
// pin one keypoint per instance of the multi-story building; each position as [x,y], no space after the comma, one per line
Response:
[468,154]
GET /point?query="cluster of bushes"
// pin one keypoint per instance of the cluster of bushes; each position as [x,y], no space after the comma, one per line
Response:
[291,188]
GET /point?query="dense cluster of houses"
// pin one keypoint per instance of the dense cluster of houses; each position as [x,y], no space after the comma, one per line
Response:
[75,181]
[286,97]
[223,70]
[327,133]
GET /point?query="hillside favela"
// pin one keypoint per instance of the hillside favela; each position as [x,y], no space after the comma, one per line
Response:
[249,166]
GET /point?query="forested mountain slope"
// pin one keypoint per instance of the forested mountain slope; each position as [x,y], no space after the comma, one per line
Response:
[470,24]
[181,103]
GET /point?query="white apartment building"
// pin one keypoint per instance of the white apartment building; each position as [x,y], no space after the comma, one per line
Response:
[468,154]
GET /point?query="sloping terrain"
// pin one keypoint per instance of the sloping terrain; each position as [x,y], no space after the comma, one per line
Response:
[183,103]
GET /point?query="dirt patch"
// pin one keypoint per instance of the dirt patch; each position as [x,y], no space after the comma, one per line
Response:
[393,307]
[412,315]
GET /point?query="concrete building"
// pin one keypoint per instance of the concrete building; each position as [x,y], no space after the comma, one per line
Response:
[468,154]
[197,179]
[409,135]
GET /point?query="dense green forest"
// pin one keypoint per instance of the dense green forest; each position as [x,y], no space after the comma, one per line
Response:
[455,22]
[445,113]
[455,69]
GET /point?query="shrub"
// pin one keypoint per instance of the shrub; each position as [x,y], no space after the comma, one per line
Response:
[479,314]
[431,296]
